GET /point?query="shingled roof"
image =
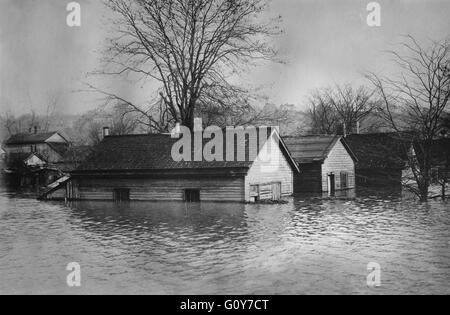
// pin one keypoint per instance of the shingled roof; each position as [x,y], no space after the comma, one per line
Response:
[29,138]
[379,150]
[60,148]
[149,152]
[311,149]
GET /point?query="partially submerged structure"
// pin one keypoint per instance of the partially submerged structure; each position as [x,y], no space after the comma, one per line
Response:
[382,159]
[326,162]
[31,158]
[34,160]
[142,168]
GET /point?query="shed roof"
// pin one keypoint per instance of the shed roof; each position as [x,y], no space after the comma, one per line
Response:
[60,148]
[379,150]
[312,149]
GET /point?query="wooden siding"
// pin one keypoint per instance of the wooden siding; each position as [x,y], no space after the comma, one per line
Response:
[338,160]
[309,179]
[141,189]
[271,166]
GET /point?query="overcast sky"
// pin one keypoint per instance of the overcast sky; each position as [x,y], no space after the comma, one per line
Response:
[325,42]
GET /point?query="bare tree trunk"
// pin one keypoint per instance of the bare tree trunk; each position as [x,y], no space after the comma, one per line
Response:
[424,190]
[445,180]
[444,183]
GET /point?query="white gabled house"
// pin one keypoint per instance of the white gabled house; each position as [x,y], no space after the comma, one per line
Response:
[327,163]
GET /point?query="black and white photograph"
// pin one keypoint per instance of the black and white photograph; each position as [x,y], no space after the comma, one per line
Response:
[222,154]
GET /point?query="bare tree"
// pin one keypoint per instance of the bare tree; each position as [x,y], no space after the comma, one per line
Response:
[192,48]
[415,101]
[341,105]
[122,122]
[49,115]
[352,105]
[87,130]
[32,120]
[322,115]
[233,106]
[9,123]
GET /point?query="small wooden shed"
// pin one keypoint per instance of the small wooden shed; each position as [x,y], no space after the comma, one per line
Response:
[326,163]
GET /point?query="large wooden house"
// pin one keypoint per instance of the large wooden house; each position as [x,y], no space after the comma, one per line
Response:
[141,168]
[326,163]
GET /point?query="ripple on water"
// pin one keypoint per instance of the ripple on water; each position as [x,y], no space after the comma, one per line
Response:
[304,247]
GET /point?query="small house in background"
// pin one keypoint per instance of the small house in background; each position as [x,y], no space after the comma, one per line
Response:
[31,158]
[326,163]
[141,168]
[50,145]
[382,159]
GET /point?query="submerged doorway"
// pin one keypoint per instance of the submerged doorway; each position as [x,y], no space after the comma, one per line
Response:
[120,195]
[331,184]
[276,191]
[192,195]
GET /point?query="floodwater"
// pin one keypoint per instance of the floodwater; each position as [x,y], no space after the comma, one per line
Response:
[308,246]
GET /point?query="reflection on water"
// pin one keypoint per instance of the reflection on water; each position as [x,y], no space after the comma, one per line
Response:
[310,245]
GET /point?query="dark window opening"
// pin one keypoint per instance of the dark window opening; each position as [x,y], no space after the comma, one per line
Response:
[121,195]
[192,195]
[344,180]
[332,184]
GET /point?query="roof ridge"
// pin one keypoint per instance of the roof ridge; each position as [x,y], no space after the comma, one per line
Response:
[311,136]
[138,135]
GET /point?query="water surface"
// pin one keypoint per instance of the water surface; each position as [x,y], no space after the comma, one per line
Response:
[308,246]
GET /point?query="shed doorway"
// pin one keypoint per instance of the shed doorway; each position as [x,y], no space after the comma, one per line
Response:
[121,195]
[344,180]
[192,195]
[331,184]
[276,191]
